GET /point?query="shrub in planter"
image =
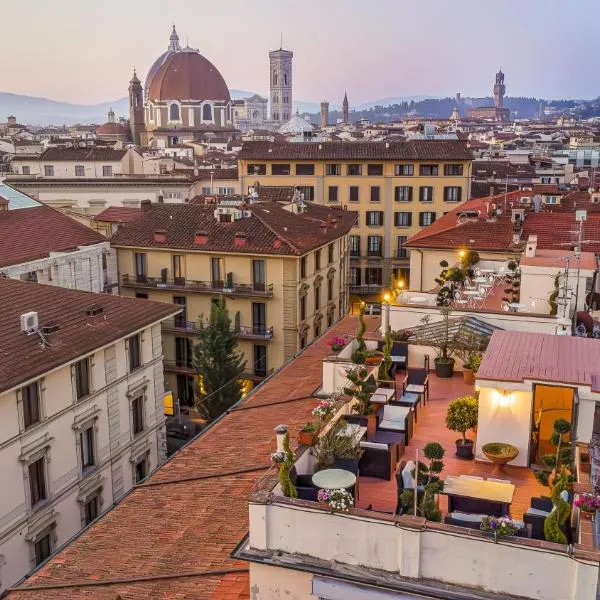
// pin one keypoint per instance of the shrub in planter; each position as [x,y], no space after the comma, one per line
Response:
[334,446]
[360,354]
[563,457]
[555,523]
[308,434]
[499,526]
[336,343]
[461,416]
[340,500]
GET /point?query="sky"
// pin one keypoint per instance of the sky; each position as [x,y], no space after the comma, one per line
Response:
[84,51]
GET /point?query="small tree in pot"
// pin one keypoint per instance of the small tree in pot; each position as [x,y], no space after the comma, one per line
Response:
[440,339]
[461,416]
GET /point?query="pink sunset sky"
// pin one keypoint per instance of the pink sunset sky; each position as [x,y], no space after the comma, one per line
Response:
[82,51]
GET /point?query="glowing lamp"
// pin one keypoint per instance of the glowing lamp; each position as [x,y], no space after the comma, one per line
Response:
[462,253]
[386,297]
[400,284]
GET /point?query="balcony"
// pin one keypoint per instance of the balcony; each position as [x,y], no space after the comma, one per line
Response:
[179,326]
[178,366]
[201,287]
[257,375]
[366,290]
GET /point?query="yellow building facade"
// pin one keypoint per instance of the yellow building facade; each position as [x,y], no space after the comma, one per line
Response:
[396,189]
[277,303]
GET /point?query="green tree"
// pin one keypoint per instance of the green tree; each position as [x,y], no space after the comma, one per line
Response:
[217,362]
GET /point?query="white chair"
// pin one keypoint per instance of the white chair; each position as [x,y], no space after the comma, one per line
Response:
[394,418]
[505,306]
[458,299]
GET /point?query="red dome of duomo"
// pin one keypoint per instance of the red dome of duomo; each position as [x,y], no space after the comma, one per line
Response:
[187,75]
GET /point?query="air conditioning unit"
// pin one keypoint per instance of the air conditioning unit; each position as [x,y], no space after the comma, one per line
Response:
[237,214]
[222,210]
[247,213]
[525,200]
[581,215]
[29,321]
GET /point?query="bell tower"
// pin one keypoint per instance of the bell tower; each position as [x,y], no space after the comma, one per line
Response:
[281,84]
[345,109]
[136,108]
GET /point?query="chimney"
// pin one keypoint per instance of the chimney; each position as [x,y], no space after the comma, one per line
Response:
[160,236]
[280,432]
[531,245]
[200,238]
[3,204]
[146,205]
[240,239]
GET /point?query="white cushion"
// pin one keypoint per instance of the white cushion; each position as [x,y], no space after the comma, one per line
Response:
[471,517]
[393,425]
[407,478]
[536,512]
[374,445]
[395,413]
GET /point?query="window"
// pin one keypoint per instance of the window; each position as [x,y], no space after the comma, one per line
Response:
[43,549]
[333,169]
[354,276]
[403,193]
[49,170]
[308,192]
[353,193]
[329,290]
[373,276]
[216,272]
[90,509]
[374,245]
[402,219]
[302,169]
[140,470]
[452,193]
[375,193]
[135,352]
[330,319]
[257,169]
[280,169]
[375,217]
[425,193]
[143,295]
[137,412]
[260,360]
[453,170]
[259,318]
[401,250]
[303,341]
[207,113]
[37,481]
[30,396]
[317,260]
[181,318]
[332,193]
[354,243]
[174,112]
[317,329]
[82,378]
[303,267]
[107,171]
[79,171]
[428,170]
[141,266]
[374,170]
[354,170]
[303,308]
[404,170]
[258,275]
[86,439]
[178,261]
[426,218]
[330,253]
[26,170]
[317,297]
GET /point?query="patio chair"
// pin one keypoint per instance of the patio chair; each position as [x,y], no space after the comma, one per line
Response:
[304,485]
[396,418]
[410,399]
[378,460]
[405,481]
[418,376]
[458,299]
[536,514]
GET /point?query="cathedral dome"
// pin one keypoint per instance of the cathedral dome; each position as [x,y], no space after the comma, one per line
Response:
[187,75]
[112,129]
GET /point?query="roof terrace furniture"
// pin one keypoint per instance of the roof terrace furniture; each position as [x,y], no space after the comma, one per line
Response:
[418,377]
[397,418]
[399,356]
[478,496]
[473,521]
[304,485]
[334,479]
[405,481]
[412,399]
[536,514]
[378,459]
[383,395]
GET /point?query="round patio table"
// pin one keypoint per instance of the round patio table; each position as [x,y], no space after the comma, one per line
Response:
[334,479]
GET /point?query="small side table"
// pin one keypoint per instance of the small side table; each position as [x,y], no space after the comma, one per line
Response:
[334,479]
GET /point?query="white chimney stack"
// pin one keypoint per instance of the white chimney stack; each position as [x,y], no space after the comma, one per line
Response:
[280,432]
[531,245]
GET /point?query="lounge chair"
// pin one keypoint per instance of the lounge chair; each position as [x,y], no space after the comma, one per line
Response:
[378,460]
[304,485]
[396,418]
[418,376]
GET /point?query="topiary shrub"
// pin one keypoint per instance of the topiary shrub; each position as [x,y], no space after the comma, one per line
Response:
[462,415]
[554,525]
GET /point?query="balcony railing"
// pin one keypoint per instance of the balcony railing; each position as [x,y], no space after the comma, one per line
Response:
[258,332]
[193,285]
[257,374]
[365,290]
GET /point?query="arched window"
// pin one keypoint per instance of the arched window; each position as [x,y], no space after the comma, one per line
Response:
[207,112]
[174,112]
[274,77]
[285,79]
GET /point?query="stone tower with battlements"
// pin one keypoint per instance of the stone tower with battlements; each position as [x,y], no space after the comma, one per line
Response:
[499,89]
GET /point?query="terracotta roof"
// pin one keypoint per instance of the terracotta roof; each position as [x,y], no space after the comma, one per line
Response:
[557,259]
[189,516]
[554,224]
[218,174]
[187,76]
[32,233]
[112,129]
[480,189]
[82,154]
[501,169]
[269,230]
[516,356]
[413,150]
[118,214]
[22,356]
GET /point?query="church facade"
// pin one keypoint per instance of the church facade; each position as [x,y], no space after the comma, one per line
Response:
[184,97]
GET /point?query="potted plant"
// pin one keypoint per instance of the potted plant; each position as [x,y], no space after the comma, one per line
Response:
[469,349]
[587,505]
[360,354]
[373,358]
[335,448]
[499,526]
[440,339]
[563,457]
[340,500]
[307,436]
[402,335]
[461,416]
[336,343]
[362,389]
[471,366]
[324,410]
[383,374]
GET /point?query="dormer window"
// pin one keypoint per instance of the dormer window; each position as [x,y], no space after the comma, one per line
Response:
[552,200]
[174,112]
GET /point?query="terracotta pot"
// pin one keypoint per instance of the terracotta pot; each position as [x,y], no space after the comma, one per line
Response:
[468,376]
[372,360]
[307,438]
